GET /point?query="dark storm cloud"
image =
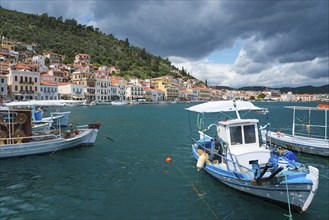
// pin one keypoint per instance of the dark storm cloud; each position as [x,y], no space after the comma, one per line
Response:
[195,28]
[273,32]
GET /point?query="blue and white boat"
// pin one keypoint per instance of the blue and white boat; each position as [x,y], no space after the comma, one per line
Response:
[306,135]
[230,151]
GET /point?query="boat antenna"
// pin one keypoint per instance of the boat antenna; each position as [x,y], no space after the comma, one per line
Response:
[236,109]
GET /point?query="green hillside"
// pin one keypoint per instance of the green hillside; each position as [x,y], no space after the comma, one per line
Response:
[70,38]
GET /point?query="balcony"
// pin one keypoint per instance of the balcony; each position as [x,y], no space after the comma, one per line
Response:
[26,82]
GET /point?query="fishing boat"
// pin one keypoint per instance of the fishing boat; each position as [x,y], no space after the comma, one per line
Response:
[228,148]
[58,118]
[17,138]
[306,136]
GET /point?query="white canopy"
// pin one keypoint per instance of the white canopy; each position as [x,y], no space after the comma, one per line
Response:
[43,103]
[224,106]
[307,108]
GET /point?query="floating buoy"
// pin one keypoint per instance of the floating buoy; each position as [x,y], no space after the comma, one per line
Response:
[168,159]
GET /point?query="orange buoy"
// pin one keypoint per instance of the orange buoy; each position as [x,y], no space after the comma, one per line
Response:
[168,159]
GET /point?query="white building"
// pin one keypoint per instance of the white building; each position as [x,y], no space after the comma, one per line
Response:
[48,91]
[135,92]
[40,61]
[287,97]
[70,91]
[103,90]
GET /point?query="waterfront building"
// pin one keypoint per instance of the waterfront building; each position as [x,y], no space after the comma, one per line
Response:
[118,88]
[185,95]
[194,94]
[70,91]
[153,95]
[288,97]
[135,93]
[24,84]
[171,91]
[103,89]
[307,97]
[48,90]
[204,94]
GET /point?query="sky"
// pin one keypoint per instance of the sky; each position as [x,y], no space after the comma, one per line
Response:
[231,43]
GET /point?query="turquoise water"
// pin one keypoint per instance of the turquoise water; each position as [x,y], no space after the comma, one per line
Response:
[129,179]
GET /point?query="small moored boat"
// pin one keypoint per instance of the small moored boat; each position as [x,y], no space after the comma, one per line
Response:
[306,136]
[17,139]
[229,150]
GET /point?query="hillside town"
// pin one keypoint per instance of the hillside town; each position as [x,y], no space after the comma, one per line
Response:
[25,75]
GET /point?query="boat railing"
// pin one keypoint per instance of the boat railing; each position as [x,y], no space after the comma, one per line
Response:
[19,140]
[225,158]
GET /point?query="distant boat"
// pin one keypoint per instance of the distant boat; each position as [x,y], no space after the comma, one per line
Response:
[119,103]
[307,142]
[229,150]
[17,139]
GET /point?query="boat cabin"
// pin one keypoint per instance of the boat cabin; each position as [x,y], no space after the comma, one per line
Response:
[241,136]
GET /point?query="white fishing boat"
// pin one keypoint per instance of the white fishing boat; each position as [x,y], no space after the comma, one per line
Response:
[228,148]
[305,137]
[17,138]
[119,103]
[42,126]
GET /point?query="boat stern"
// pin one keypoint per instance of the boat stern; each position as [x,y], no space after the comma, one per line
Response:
[314,176]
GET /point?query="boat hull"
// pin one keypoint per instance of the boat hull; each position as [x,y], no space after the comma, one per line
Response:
[313,146]
[86,137]
[300,194]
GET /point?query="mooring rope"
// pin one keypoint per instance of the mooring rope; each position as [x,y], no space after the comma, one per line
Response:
[194,188]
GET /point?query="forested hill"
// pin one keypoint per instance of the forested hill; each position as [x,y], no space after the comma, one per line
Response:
[69,38]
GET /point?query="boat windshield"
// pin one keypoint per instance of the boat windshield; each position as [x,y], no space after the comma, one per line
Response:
[236,135]
[249,134]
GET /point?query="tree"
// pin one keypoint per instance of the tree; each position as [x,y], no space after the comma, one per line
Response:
[261,96]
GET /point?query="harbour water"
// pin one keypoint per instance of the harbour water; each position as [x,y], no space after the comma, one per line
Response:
[130,179]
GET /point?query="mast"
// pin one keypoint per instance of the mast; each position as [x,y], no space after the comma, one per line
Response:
[293,122]
[236,109]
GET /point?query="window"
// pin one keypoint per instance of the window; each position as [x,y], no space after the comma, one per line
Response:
[236,135]
[249,134]
[15,78]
